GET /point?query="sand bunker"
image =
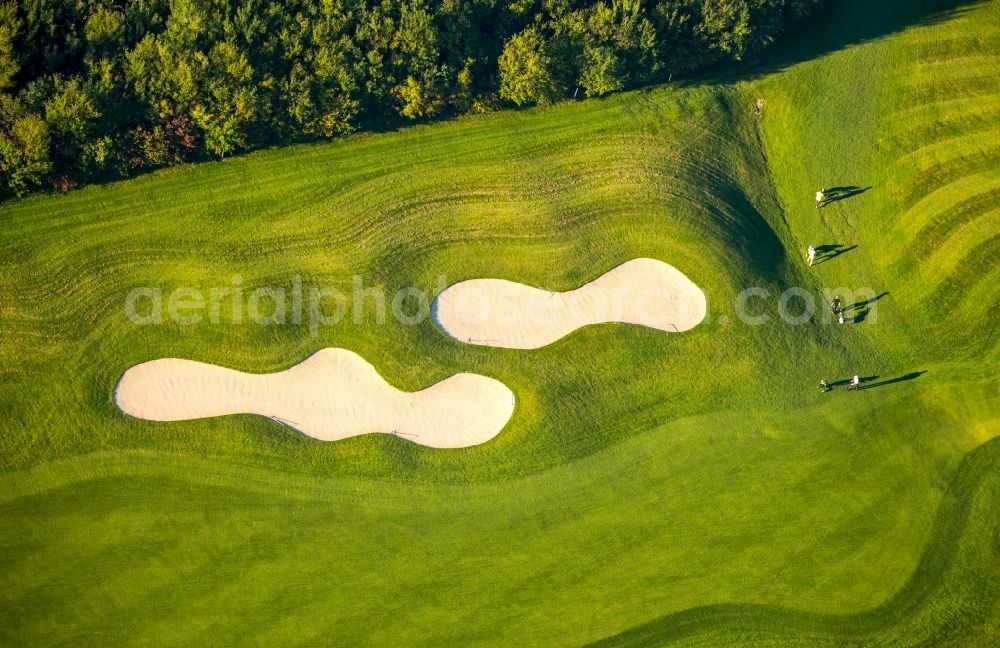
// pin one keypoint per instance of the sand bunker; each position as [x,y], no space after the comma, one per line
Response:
[333,394]
[499,313]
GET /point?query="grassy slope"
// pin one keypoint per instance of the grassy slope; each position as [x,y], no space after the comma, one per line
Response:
[628,486]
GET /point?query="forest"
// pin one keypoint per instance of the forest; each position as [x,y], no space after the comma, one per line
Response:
[92,90]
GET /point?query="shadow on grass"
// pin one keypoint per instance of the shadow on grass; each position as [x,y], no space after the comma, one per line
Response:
[913,375]
[847,381]
[842,193]
[866,382]
[831,251]
[835,26]
[862,305]
[752,232]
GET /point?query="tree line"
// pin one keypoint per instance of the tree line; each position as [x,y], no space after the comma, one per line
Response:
[98,89]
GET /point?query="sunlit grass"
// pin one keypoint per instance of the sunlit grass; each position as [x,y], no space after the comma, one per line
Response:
[642,476]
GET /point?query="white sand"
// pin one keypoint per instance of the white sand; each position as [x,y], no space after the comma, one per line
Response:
[499,313]
[333,394]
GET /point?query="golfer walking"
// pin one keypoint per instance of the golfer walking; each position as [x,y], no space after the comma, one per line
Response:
[812,255]
[820,195]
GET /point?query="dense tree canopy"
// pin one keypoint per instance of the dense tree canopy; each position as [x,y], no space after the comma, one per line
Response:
[93,89]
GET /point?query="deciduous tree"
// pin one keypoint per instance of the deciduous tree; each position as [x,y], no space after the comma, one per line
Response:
[527,69]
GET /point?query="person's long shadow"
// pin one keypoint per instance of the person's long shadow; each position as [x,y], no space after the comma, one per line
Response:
[834,194]
[848,381]
[862,305]
[831,251]
[913,375]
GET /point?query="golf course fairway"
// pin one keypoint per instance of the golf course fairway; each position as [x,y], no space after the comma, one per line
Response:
[649,488]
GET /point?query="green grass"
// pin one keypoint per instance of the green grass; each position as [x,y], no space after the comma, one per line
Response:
[649,487]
